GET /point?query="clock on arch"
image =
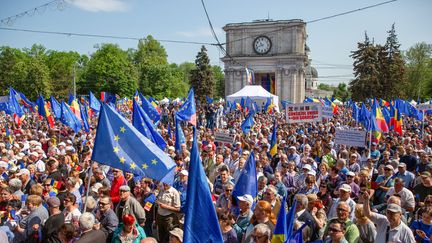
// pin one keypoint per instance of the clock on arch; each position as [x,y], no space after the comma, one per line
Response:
[262,45]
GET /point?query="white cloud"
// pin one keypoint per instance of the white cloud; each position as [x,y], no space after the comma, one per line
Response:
[201,32]
[99,5]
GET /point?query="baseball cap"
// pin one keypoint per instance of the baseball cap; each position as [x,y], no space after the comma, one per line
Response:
[307,166]
[401,165]
[292,147]
[392,207]
[4,164]
[350,173]
[184,172]
[23,171]
[311,172]
[177,232]
[96,186]
[246,198]
[34,153]
[389,167]
[345,187]
[425,173]
[374,143]
[171,148]
[62,144]
[53,202]
[125,188]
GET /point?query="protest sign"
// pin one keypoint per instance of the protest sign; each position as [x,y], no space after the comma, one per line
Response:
[424,107]
[327,112]
[303,112]
[350,137]
[224,137]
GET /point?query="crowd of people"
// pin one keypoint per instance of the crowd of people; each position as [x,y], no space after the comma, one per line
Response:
[51,190]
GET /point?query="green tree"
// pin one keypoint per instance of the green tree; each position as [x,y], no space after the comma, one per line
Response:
[341,92]
[63,66]
[109,69]
[202,77]
[37,80]
[150,52]
[12,68]
[325,87]
[418,74]
[392,67]
[219,80]
[366,71]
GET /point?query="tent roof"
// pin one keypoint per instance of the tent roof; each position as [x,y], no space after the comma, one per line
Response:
[252,91]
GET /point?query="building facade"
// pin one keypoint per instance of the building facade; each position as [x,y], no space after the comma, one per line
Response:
[273,50]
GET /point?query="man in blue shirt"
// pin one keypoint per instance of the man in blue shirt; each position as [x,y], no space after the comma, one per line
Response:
[407,176]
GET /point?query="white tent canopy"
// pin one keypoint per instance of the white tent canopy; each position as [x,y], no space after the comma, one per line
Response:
[257,93]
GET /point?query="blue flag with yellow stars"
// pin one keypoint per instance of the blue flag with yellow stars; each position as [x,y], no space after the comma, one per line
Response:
[142,123]
[69,119]
[149,109]
[120,145]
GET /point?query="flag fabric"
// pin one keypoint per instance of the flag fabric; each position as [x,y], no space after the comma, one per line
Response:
[364,116]
[395,119]
[268,107]
[209,100]
[55,107]
[374,128]
[27,103]
[108,98]
[15,109]
[94,102]
[85,118]
[180,137]
[44,111]
[386,114]
[144,125]
[120,145]
[187,111]
[249,106]
[250,76]
[8,136]
[380,121]
[332,105]
[285,103]
[355,112]
[74,106]
[281,227]
[247,124]
[149,109]
[247,181]
[69,119]
[273,141]
[169,131]
[414,112]
[199,205]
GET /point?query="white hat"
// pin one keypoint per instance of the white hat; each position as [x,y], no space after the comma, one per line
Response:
[292,147]
[350,173]
[345,187]
[307,166]
[392,207]
[62,144]
[184,172]
[23,171]
[34,153]
[69,142]
[311,172]
[3,164]
[246,198]
[171,148]
[96,186]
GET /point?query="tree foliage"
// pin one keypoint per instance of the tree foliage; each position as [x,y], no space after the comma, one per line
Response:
[220,81]
[109,69]
[378,69]
[202,77]
[418,75]
[341,92]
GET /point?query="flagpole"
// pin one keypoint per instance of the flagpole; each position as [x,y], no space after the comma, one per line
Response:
[422,128]
[88,185]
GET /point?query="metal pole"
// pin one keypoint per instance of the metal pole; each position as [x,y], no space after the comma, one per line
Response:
[74,81]
[88,185]
[422,128]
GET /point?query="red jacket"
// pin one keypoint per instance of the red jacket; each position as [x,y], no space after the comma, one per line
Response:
[115,188]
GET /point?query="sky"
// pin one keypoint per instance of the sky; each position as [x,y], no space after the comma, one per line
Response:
[331,41]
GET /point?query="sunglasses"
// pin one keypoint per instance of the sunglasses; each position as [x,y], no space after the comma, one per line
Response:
[228,190]
[331,229]
[257,237]
[47,185]
[103,204]
[342,210]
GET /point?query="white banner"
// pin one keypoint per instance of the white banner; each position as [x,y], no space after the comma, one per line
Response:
[327,112]
[303,112]
[350,137]
[224,137]
[424,107]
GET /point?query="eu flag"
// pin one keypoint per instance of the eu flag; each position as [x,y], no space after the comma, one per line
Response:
[143,124]
[149,109]
[180,137]
[55,107]
[84,117]
[247,181]
[120,145]
[247,124]
[68,118]
[355,112]
[201,223]
[187,111]
[209,100]
[94,102]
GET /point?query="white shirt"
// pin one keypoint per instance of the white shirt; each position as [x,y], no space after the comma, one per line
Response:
[400,234]
[407,197]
